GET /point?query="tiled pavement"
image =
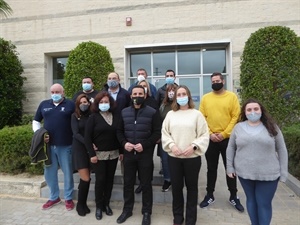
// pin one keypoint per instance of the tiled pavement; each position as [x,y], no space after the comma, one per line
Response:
[17,211]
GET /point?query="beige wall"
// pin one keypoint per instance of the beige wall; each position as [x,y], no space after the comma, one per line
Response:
[41,28]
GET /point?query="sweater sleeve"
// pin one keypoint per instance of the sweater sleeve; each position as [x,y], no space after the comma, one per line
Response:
[202,139]
[88,136]
[282,155]
[75,129]
[166,138]
[230,152]
[235,113]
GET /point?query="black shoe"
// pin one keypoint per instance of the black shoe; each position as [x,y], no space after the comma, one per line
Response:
[138,189]
[207,201]
[146,219]
[235,201]
[166,186]
[87,209]
[98,214]
[108,210]
[80,210]
[123,217]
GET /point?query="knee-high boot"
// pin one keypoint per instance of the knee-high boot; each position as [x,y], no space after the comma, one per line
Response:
[83,191]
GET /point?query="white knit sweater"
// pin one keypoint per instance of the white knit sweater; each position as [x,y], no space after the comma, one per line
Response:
[183,128]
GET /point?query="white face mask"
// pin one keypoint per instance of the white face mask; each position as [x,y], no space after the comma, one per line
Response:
[140,78]
[146,89]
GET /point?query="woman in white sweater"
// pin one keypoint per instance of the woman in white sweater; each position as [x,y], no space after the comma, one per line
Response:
[257,154]
[185,138]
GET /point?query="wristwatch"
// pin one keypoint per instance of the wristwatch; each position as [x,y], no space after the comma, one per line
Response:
[195,147]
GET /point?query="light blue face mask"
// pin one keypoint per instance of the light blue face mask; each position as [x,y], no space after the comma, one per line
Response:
[182,101]
[56,97]
[253,117]
[104,107]
[170,80]
[86,87]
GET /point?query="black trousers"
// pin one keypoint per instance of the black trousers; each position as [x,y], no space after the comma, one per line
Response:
[104,173]
[212,158]
[143,164]
[184,171]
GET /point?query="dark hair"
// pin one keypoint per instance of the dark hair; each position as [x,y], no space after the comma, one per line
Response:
[142,69]
[217,74]
[176,106]
[170,71]
[266,118]
[99,96]
[169,88]
[138,86]
[88,78]
[78,112]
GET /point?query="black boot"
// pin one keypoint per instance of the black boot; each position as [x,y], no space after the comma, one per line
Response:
[83,191]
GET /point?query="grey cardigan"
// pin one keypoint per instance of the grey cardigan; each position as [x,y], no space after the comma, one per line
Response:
[257,156]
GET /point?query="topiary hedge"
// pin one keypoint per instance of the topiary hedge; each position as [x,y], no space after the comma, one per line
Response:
[14,148]
[11,85]
[270,72]
[292,140]
[87,59]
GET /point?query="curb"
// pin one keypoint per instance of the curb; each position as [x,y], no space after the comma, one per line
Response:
[294,184]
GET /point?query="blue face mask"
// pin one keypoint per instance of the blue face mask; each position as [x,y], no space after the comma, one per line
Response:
[112,83]
[170,80]
[104,107]
[182,101]
[253,117]
[86,87]
[56,97]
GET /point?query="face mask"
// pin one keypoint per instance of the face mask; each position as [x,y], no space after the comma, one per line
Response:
[140,78]
[171,94]
[86,87]
[217,86]
[104,107]
[146,89]
[183,101]
[83,107]
[253,117]
[137,100]
[170,80]
[112,83]
[56,97]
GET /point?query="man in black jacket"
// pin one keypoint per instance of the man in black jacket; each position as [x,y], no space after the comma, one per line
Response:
[139,130]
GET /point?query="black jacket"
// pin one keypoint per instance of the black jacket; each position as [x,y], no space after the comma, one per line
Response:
[140,126]
[39,150]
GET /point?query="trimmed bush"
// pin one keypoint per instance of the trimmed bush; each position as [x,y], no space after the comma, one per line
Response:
[11,85]
[87,59]
[14,148]
[270,72]
[292,140]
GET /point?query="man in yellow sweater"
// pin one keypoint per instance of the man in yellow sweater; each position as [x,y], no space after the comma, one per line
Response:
[221,110]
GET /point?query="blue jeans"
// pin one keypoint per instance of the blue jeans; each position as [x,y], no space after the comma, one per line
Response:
[259,196]
[165,163]
[61,157]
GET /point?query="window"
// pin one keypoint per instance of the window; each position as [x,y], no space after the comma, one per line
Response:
[59,69]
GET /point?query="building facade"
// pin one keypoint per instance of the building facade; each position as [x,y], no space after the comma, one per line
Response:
[192,37]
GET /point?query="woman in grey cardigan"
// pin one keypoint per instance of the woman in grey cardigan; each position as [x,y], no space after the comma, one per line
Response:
[257,154]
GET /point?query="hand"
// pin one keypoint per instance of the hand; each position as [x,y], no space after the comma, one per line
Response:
[138,147]
[231,175]
[94,159]
[46,138]
[176,151]
[220,136]
[121,157]
[128,146]
[188,151]
[95,147]
[215,138]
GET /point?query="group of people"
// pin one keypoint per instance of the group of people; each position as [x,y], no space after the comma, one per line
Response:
[98,128]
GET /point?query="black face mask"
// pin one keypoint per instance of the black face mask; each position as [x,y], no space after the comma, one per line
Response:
[217,86]
[137,100]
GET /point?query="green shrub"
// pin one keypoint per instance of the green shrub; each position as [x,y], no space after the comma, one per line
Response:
[11,85]
[270,72]
[292,140]
[14,148]
[87,59]
[27,119]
